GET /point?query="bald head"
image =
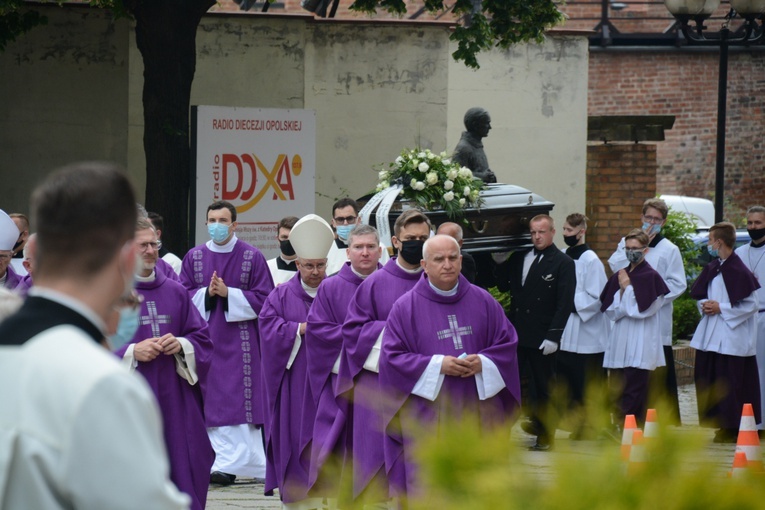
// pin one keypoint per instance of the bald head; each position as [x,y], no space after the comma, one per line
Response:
[451,229]
[442,261]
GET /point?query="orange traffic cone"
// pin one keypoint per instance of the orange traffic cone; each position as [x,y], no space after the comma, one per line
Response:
[638,455]
[740,467]
[651,429]
[748,440]
[630,426]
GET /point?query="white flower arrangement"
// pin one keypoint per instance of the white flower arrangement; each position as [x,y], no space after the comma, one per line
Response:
[433,181]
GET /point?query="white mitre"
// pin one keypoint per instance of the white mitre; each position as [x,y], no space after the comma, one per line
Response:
[311,237]
[9,232]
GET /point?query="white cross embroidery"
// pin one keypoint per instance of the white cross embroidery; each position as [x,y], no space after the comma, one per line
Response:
[455,332]
[154,319]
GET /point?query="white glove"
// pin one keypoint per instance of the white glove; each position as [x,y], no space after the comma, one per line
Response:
[548,347]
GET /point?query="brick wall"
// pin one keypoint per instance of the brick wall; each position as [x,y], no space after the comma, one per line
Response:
[620,177]
[684,84]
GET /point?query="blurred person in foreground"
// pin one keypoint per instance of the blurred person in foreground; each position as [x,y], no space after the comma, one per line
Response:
[85,433]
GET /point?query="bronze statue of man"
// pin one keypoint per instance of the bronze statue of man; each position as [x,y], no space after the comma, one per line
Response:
[469,151]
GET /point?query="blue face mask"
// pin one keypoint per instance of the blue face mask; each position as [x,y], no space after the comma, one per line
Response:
[343,231]
[218,232]
[126,327]
[651,229]
[713,252]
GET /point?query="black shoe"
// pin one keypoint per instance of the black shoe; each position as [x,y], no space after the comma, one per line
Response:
[222,478]
[540,447]
[530,427]
[725,436]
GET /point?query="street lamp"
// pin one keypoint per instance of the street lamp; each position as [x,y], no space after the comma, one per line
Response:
[688,12]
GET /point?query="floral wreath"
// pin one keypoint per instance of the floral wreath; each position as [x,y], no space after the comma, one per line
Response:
[433,181]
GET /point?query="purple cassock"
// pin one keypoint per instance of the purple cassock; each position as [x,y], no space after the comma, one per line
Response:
[233,394]
[367,313]
[423,324]
[12,279]
[168,309]
[289,407]
[324,342]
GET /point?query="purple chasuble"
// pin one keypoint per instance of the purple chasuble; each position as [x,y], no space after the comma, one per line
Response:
[167,270]
[324,341]
[739,280]
[168,309]
[24,285]
[233,394]
[367,313]
[645,281]
[289,406]
[424,323]
[11,278]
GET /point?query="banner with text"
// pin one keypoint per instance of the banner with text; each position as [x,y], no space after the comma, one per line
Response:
[261,160]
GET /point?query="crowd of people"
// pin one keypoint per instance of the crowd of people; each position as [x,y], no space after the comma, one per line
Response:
[320,370]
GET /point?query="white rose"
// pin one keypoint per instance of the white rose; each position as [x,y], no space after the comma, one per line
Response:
[420,186]
[384,185]
[415,162]
[466,191]
[452,174]
[399,161]
[383,174]
[449,196]
[447,161]
[431,178]
[462,202]
[413,184]
[448,185]
[465,172]
[423,167]
[421,155]
[443,154]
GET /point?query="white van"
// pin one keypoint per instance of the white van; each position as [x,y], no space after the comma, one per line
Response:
[700,210]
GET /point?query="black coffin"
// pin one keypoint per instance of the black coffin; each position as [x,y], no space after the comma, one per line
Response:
[501,224]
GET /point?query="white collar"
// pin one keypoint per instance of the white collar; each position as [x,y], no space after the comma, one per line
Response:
[222,248]
[410,271]
[363,276]
[450,292]
[146,279]
[69,302]
[311,291]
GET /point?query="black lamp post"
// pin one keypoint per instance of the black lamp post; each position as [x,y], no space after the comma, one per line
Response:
[694,12]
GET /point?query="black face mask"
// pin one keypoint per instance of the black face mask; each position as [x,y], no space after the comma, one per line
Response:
[756,233]
[18,243]
[570,240]
[286,248]
[411,251]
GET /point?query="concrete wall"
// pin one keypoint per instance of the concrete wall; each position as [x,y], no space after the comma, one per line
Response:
[537,98]
[377,87]
[63,98]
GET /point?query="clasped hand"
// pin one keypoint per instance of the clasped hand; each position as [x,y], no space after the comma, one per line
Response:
[149,349]
[465,367]
[710,307]
[217,287]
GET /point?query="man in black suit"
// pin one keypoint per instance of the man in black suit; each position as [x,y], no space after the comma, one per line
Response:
[541,284]
[452,229]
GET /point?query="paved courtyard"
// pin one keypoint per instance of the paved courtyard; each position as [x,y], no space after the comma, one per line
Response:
[245,493]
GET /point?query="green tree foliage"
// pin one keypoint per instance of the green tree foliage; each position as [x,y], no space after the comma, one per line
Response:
[496,23]
[680,229]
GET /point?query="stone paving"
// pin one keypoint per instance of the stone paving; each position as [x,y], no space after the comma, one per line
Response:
[245,493]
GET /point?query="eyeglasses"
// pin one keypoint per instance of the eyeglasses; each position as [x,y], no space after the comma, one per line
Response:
[345,221]
[652,219]
[311,267]
[154,246]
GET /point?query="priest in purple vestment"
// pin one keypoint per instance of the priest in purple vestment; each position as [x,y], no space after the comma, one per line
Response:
[9,233]
[172,350]
[290,407]
[357,379]
[448,352]
[229,281]
[324,341]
